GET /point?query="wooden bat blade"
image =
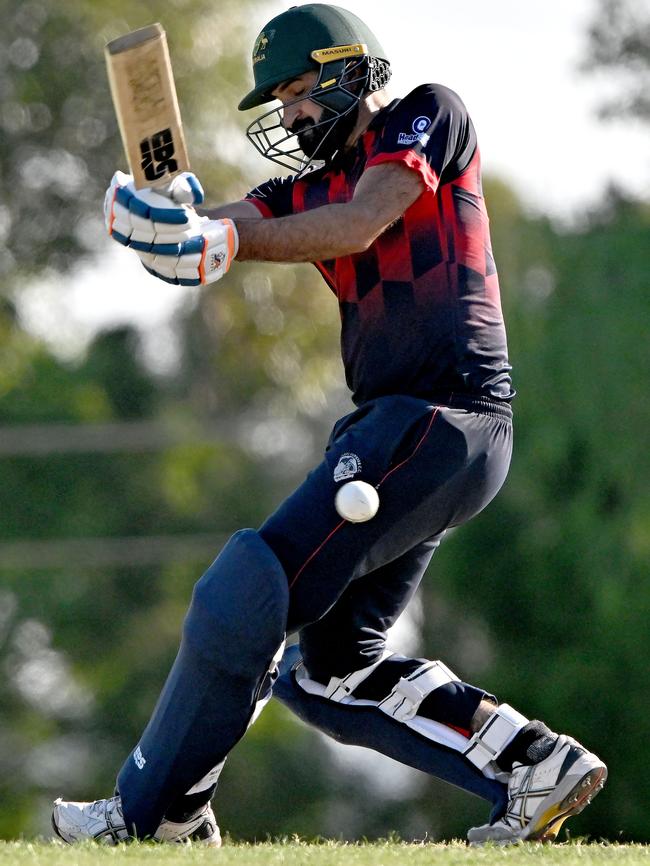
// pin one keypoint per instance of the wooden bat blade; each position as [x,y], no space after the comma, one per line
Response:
[146,105]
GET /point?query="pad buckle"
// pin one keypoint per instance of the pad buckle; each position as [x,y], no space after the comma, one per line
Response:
[487,744]
[340,688]
[404,701]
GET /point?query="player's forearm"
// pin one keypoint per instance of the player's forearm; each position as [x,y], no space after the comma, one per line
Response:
[324,233]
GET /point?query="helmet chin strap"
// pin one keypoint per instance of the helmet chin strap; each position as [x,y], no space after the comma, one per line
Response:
[339,90]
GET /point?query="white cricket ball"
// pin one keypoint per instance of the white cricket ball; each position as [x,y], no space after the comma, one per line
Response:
[356,501]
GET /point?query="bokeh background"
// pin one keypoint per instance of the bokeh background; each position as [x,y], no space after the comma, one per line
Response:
[141,424]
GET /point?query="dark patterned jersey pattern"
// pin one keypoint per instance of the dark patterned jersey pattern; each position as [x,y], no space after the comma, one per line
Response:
[420,309]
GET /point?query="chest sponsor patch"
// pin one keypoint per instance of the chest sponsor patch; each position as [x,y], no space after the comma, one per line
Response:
[348,466]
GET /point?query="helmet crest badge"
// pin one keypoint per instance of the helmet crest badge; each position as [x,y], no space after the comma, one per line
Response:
[260,47]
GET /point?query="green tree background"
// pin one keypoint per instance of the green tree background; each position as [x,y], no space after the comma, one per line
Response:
[120,483]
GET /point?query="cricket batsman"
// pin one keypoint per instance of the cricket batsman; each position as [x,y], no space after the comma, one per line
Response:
[386,201]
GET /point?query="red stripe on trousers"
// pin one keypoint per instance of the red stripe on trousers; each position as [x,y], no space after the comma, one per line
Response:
[387,475]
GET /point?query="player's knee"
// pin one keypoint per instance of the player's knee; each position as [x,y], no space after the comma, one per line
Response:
[238,612]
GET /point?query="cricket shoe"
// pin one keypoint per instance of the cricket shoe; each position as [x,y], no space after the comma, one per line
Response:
[103,821]
[542,796]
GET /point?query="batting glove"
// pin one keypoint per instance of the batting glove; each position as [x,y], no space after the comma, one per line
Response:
[153,221]
[202,259]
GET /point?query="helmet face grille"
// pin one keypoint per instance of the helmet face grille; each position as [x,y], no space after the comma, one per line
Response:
[270,138]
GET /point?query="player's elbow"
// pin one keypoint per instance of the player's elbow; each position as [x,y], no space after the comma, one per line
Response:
[354,246]
[363,230]
[364,241]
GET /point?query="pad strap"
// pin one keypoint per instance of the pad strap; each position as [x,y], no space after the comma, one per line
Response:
[487,744]
[404,701]
[340,688]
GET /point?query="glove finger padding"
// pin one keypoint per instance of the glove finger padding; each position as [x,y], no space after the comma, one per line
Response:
[203,259]
[185,189]
[150,221]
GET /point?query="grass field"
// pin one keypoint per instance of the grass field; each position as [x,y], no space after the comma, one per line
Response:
[295,853]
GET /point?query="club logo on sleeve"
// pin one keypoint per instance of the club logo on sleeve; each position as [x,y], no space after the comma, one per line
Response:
[421,124]
[347,467]
[419,127]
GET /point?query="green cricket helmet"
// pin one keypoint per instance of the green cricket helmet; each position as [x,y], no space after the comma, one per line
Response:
[349,60]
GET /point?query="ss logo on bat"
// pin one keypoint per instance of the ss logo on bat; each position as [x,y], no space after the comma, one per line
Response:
[158,155]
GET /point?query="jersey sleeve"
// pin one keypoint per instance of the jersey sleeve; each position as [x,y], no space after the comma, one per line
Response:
[274,198]
[431,132]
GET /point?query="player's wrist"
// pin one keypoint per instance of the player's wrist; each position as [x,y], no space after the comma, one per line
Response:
[242,230]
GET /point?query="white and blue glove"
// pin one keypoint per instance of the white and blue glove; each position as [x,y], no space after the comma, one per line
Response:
[173,242]
[202,259]
[146,220]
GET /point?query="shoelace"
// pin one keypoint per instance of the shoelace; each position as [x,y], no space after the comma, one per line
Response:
[106,809]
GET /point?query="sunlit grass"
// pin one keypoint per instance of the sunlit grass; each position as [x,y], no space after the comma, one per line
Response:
[296,853]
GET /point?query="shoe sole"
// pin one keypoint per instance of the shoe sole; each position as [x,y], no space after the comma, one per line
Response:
[548,825]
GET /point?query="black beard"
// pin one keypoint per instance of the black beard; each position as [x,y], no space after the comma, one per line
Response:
[309,138]
[324,139]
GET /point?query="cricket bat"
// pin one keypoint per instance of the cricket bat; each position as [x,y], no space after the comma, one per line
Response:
[146,105]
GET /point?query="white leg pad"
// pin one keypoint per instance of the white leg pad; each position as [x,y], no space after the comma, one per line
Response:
[500,729]
[436,731]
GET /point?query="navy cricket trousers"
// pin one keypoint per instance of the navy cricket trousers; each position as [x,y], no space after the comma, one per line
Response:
[435,466]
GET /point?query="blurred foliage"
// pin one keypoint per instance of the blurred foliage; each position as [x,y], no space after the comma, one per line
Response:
[619,45]
[540,599]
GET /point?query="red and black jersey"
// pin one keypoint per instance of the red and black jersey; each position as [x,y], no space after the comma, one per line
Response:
[420,309]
